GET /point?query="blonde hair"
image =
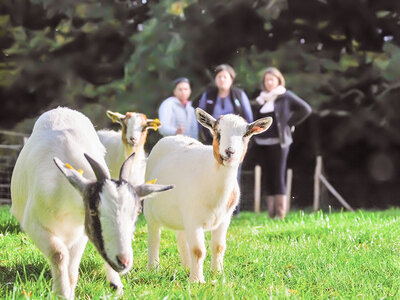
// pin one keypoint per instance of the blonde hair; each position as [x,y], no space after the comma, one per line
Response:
[275,72]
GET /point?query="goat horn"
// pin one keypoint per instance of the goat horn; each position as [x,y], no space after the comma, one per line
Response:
[101,173]
[126,168]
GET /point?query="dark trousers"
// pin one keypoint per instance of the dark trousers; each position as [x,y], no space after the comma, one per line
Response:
[273,161]
[239,177]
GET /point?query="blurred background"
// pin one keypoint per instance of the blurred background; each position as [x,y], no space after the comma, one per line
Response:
[341,56]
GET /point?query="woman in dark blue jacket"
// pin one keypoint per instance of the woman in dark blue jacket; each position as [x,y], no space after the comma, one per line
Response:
[272,146]
[222,99]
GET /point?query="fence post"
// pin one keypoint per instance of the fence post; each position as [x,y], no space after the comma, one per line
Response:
[289,179]
[317,174]
[335,193]
[257,188]
[318,179]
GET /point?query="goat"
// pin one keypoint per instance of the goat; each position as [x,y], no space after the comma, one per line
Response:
[52,211]
[206,191]
[119,145]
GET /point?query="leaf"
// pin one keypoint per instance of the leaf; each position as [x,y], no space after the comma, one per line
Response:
[175,44]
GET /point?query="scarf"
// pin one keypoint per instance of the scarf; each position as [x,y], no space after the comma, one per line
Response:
[266,99]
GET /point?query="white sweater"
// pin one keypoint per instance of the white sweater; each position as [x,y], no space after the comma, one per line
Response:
[173,114]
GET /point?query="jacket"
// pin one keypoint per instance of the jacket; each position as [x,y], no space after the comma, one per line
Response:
[173,114]
[290,110]
[239,104]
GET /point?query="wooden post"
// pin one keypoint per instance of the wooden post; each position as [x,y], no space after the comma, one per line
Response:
[289,179]
[335,193]
[257,188]
[317,174]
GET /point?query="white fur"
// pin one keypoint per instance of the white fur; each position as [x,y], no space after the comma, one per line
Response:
[206,190]
[52,212]
[118,150]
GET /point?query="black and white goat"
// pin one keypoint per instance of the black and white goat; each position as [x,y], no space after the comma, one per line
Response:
[53,212]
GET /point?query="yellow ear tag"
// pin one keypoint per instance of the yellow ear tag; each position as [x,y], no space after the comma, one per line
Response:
[80,171]
[157,121]
[152,181]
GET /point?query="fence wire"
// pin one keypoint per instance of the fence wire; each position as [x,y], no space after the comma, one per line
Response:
[10,145]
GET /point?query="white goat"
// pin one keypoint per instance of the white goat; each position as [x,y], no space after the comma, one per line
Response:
[206,191]
[121,144]
[53,213]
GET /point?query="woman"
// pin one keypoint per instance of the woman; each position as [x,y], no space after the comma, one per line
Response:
[176,113]
[223,99]
[272,147]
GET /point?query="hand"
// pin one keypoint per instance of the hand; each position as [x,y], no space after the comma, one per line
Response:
[179,130]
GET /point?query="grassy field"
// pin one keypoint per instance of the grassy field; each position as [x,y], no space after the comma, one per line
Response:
[305,256]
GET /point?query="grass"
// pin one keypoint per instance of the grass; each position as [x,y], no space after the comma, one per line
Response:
[339,255]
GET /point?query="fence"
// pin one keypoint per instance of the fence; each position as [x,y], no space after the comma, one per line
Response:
[11,144]
[251,189]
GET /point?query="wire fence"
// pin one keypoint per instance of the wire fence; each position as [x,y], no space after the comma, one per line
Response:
[360,192]
[10,145]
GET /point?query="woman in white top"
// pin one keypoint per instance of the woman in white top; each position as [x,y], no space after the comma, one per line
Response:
[176,113]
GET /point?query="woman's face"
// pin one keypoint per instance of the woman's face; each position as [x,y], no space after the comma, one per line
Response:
[182,91]
[270,82]
[223,80]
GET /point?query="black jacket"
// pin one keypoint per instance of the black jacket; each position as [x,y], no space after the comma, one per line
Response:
[212,94]
[290,110]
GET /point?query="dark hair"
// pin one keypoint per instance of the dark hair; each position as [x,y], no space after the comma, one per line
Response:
[227,68]
[179,80]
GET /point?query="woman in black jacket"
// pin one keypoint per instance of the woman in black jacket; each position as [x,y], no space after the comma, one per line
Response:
[272,146]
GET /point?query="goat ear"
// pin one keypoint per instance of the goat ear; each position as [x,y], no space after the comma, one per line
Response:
[153,124]
[146,190]
[101,173]
[205,119]
[258,126]
[116,117]
[127,168]
[73,176]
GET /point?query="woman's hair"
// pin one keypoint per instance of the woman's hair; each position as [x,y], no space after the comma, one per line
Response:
[275,72]
[225,67]
[179,80]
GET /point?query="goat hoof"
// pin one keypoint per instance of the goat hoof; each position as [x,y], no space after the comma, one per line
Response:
[197,280]
[118,288]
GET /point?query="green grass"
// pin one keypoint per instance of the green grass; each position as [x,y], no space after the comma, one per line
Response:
[338,255]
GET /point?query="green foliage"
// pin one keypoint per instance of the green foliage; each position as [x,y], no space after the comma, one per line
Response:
[307,255]
[341,56]
[123,56]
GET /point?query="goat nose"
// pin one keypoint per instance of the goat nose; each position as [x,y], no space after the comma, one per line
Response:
[123,260]
[229,152]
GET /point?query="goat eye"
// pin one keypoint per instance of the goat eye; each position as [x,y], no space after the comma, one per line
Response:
[93,213]
[218,135]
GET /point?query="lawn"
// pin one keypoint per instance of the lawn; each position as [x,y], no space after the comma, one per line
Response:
[305,256]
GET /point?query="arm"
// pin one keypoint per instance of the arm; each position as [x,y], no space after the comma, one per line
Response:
[202,102]
[166,117]
[202,133]
[194,129]
[300,109]
[248,114]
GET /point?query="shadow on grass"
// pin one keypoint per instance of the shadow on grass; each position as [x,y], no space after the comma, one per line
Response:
[10,227]
[22,274]
[7,221]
